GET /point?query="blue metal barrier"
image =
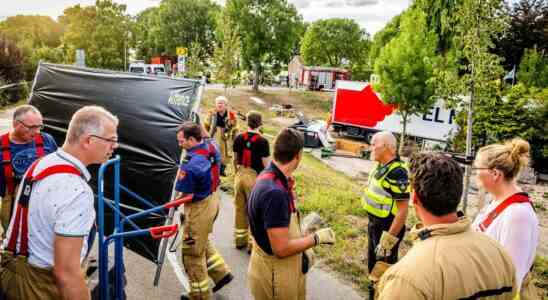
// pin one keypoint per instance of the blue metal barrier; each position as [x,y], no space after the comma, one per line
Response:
[119,233]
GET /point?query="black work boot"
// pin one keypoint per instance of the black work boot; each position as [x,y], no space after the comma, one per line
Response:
[226,280]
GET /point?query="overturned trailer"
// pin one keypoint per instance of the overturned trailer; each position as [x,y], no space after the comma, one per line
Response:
[149,110]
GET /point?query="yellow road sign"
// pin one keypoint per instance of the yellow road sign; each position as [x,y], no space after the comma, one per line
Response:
[182,51]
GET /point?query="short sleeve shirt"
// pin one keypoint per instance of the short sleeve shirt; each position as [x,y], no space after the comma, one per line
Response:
[60,204]
[195,174]
[259,150]
[22,156]
[268,207]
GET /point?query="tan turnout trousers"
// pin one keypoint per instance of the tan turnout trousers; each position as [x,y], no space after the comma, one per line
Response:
[201,260]
[222,141]
[272,278]
[243,183]
[20,280]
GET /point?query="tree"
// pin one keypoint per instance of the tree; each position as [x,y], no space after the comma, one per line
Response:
[438,19]
[11,69]
[533,70]
[268,31]
[227,52]
[478,24]
[183,22]
[333,43]
[146,32]
[195,66]
[382,37]
[527,28]
[405,68]
[100,30]
[37,31]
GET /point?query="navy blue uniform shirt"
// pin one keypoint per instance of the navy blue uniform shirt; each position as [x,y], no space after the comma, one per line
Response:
[268,207]
[195,174]
[22,156]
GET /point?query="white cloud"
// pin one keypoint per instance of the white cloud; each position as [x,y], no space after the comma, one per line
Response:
[370,14]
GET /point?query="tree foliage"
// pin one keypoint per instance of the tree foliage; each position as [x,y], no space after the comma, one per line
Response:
[522,112]
[527,29]
[183,22]
[11,69]
[383,36]
[533,70]
[268,31]
[439,19]
[101,31]
[333,43]
[227,53]
[33,31]
[405,67]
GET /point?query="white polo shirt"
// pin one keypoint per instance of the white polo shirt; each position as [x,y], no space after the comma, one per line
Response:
[517,230]
[60,204]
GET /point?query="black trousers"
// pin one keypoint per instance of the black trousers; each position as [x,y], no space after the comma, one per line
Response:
[374,230]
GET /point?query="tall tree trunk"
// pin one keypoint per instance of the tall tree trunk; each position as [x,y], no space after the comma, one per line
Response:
[256,68]
[469,125]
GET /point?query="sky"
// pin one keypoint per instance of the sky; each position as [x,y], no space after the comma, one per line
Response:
[372,15]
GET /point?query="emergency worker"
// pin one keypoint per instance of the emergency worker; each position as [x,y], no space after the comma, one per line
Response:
[510,218]
[251,152]
[221,123]
[277,266]
[448,259]
[47,239]
[21,146]
[386,200]
[200,258]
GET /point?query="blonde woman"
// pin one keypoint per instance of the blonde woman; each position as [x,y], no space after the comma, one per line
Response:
[510,218]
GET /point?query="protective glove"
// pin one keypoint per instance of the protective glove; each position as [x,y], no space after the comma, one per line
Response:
[387,242]
[324,236]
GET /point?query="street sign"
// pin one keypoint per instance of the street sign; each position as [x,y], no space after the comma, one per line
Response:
[182,51]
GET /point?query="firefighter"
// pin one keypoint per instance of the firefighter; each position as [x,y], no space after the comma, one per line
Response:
[251,152]
[386,199]
[277,266]
[20,148]
[221,123]
[448,259]
[200,258]
[47,239]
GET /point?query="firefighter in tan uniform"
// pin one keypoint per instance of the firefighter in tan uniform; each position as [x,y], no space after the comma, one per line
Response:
[277,266]
[20,148]
[448,259]
[221,124]
[200,258]
[251,152]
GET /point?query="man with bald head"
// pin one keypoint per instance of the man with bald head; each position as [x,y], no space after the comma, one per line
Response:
[386,199]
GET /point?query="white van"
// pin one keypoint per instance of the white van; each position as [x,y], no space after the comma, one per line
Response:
[138,68]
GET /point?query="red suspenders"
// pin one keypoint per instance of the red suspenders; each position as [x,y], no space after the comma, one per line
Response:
[246,155]
[271,176]
[20,224]
[209,154]
[6,160]
[516,198]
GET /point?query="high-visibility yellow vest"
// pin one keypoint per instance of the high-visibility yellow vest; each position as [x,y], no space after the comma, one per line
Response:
[377,201]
